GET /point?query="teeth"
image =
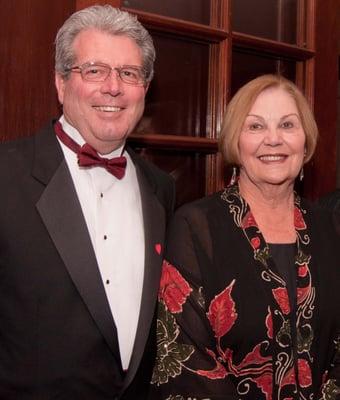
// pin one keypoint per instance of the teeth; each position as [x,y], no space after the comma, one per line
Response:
[108,108]
[271,158]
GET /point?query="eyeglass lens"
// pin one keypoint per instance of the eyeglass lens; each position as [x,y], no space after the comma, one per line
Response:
[100,72]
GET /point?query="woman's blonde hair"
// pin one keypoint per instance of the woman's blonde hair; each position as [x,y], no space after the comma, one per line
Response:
[240,105]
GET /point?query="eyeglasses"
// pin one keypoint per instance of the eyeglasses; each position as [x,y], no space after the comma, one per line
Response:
[99,72]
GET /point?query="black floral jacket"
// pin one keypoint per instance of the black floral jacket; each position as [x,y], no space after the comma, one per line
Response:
[225,328]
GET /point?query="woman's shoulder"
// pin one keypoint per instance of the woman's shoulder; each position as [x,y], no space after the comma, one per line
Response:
[331,200]
[321,219]
[315,210]
[331,203]
[203,206]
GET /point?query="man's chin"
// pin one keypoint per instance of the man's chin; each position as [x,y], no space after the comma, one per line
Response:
[110,141]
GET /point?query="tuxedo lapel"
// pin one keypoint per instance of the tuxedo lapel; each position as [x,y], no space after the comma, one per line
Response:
[61,213]
[154,231]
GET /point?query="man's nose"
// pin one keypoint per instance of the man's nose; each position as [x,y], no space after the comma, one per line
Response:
[112,84]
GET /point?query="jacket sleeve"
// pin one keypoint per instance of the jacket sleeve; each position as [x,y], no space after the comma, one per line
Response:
[188,365]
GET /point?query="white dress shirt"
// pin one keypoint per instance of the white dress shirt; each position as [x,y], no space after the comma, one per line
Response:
[113,213]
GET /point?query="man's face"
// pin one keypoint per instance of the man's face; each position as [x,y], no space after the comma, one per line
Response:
[106,112]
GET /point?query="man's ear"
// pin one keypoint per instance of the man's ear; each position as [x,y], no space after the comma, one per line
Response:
[60,85]
[147,87]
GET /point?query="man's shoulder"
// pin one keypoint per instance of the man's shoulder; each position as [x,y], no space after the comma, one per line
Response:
[9,144]
[18,156]
[161,183]
[14,151]
[23,142]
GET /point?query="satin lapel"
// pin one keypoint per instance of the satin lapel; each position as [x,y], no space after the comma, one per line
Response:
[61,213]
[154,231]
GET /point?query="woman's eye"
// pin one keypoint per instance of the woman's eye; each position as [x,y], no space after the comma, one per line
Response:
[255,126]
[287,124]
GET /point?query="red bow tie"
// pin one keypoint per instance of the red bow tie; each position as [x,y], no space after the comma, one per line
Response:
[88,157]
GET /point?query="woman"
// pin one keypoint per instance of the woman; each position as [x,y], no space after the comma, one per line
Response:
[249,303]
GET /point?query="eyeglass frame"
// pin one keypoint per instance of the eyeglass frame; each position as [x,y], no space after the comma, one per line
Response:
[118,70]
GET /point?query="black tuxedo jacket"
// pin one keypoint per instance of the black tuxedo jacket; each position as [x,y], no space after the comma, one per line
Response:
[57,336]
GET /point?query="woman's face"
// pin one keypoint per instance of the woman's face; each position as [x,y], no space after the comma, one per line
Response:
[272,140]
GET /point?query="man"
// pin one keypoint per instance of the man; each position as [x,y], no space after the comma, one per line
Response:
[81,244]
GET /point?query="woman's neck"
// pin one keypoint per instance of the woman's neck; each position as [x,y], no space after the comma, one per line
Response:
[268,196]
[273,209]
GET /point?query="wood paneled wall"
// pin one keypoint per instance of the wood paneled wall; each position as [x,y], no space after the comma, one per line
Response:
[321,176]
[27,31]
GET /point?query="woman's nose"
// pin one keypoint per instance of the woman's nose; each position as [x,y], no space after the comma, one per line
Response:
[273,136]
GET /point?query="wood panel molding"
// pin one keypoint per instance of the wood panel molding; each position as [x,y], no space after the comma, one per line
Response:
[179,27]
[267,46]
[80,4]
[174,142]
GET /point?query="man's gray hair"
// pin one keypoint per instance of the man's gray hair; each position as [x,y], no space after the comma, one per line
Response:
[106,19]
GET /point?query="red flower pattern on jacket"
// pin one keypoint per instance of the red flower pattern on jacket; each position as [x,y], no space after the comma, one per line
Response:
[265,383]
[254,358]
[305,373]
[248,220]
[174,289]
[281,296]
[269,324]
[255,242]
[303,270]
[222,313]
[289,378]
[219,372]
[298,219]
[302,294]
[222,316]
